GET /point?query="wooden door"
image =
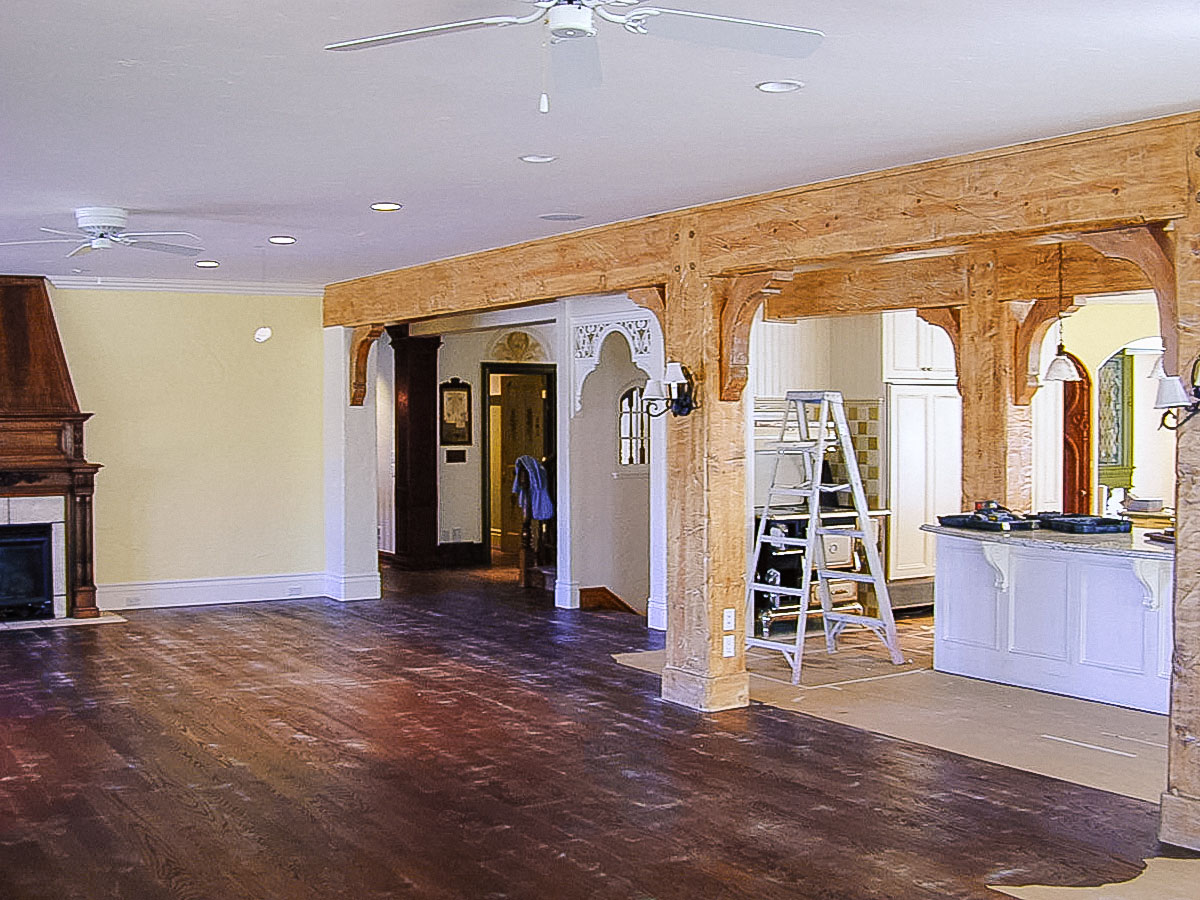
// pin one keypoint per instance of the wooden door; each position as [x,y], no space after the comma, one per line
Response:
[1077,441]
[522,433]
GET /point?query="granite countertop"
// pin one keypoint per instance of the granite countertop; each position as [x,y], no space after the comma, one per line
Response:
[1132,543]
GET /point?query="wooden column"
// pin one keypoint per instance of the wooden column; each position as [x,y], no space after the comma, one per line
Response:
[416,448]
[997,433]
[1180,823]
[706,519]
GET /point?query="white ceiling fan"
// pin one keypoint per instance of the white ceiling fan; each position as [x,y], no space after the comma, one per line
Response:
[103,227]
[573,23]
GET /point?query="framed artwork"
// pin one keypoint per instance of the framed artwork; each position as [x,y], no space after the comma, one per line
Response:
[455,409]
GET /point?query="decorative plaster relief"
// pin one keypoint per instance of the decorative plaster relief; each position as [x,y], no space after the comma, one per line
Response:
[517,346]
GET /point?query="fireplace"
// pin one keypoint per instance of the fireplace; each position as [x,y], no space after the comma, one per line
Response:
[46,484]
[26,572]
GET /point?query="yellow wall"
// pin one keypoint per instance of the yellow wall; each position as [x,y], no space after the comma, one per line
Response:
[211,443]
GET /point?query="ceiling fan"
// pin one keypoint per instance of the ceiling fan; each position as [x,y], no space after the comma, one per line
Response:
[573,23]
[103,227]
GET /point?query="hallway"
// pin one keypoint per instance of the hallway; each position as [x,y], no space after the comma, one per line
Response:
[455,740]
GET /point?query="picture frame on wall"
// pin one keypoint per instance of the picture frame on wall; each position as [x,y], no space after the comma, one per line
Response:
[455,413]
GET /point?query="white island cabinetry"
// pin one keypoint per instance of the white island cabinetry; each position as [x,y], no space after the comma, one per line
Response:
[1086,616]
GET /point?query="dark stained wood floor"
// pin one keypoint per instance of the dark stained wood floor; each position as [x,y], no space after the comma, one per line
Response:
[456,740]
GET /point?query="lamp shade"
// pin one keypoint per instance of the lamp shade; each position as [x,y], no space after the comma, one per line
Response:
[1172,393]
[654,390]
[1157,370]
[1061,368]
[674,374]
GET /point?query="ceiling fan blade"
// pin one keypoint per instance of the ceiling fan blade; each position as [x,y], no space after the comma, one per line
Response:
[73,235]
[413,34]
[45,241]
[85,247]
[138,234]
[792,41]
[177,249]
[575,65]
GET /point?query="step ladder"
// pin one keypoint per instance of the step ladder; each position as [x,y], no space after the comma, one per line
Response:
[814,423]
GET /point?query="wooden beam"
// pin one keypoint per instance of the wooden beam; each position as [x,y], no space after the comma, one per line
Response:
[1036,317]
[360,350]
[653,298]
[739,299]
[1031,273]
[1151,251]
[908,284]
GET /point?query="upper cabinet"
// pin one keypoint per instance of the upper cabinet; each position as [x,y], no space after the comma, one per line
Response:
[914,350]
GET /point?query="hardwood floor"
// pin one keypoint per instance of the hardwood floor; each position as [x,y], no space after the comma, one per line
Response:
[459,740]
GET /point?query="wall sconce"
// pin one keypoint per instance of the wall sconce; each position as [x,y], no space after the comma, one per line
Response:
[676,392]
[1181,401]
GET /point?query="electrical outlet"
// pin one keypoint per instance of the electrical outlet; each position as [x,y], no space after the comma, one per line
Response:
[456,535]
[727,646]
[729,618]
[133,601]
[294,590]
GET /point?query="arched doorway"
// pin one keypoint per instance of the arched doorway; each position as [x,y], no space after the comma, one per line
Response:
[1077,441]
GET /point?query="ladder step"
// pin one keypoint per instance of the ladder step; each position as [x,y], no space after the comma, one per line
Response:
[785,541]
[777,589]
[843,575]
[855,619]
[804,490]
[847,532]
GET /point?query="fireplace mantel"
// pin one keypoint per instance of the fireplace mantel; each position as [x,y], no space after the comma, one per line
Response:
[41,428]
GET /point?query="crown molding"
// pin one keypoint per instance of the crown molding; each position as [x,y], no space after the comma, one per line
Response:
[269,289]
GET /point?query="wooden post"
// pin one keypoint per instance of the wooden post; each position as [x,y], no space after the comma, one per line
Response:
[1180,816]
[998,432]
[706,520]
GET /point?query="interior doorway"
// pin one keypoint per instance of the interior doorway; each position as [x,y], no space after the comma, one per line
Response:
[519,421]
[1077,441]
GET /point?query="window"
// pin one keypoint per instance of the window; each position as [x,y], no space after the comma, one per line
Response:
[1114,415]
[633,429]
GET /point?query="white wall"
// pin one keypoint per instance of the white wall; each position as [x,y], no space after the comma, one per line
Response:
[385,418]
[611,502]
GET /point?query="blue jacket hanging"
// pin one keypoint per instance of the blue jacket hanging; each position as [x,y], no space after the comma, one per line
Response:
[542,505]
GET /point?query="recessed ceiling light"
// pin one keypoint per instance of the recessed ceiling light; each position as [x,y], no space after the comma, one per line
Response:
[779,87]
[537,158]
[386,206]
[206,264]
[281,239]
[561,217]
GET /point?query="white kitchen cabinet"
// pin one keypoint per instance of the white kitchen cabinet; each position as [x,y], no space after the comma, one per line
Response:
[914,350]
[924,471]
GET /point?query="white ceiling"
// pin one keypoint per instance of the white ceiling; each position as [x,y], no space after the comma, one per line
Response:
[227,119]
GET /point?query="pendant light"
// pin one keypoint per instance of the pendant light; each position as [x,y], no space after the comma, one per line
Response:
[1061,368]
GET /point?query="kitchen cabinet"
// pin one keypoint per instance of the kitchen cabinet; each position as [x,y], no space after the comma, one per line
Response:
[914,350]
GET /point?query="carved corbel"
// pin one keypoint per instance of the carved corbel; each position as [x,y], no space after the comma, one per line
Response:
[1039,315]
[653,298]
[360,349]
[1148,248]
[949,319]
[740,297]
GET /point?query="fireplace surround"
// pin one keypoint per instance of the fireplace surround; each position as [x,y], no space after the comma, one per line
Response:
[44,476]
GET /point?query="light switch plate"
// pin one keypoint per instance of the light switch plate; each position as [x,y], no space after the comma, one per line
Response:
[729,619]
[727,646]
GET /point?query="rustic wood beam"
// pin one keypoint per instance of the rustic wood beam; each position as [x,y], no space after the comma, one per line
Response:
[653,298]
[1036,317]
[739,298]
[949,319]
[908,284]
[361,340]
[1032,273]
[1151,251]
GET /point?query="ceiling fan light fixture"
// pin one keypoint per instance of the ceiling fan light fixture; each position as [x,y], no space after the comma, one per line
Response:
[281,239]
[207,264]
[786,86]
[386,206]
[567,21]
[537,158]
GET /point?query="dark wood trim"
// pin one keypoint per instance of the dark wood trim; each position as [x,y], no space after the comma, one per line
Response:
[603,598]
[416,395]
[486,369]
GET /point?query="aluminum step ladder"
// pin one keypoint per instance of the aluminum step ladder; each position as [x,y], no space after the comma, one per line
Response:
[814,423]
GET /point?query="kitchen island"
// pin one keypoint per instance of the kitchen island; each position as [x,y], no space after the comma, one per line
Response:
[1084,615]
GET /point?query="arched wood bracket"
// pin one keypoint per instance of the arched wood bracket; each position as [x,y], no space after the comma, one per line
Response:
[1036,317]
[1149,248]
[949,319]
[739,297]
[360,349]
[653,298]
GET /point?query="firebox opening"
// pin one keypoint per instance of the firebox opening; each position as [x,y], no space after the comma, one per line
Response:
[26,572]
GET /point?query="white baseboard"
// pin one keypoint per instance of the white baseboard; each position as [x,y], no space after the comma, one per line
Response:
[656,614]
[243,589]
[566,594]
[352,587]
